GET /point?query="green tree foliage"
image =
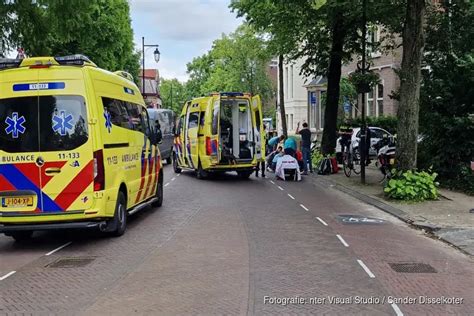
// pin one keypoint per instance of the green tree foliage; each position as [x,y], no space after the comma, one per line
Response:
[236,62]
[99,29]
[173,94]
[447,95]
[324,33]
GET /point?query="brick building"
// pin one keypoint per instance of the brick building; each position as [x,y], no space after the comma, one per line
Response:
[379,102]
[151,93]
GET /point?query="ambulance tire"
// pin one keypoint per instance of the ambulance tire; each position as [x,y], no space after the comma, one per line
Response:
[175,164]
[119,222]
[21,236]
[159,192]
[244,174]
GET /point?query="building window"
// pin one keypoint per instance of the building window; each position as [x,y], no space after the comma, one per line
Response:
[287,82]
[370,103]
[291,122]
[380,100]
[373,39]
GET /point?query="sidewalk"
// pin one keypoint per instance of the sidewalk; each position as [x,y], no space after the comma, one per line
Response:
[448,218]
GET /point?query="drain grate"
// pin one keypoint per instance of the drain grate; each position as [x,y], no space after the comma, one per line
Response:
[76,262]
[412,267]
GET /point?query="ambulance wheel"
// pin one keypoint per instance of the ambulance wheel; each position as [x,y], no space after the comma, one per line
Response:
[119,222]
[175,164]
[159,192]
[244,174]
[21,236]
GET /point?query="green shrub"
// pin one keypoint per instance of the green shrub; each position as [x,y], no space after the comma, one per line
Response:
[412,186]
[316,158]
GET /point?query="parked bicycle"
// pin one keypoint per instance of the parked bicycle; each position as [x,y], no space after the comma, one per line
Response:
[350,158]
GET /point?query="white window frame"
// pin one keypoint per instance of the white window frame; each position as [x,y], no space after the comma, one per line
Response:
[378,98]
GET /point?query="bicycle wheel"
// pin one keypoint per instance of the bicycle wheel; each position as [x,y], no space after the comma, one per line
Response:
[346,164]
[356,161]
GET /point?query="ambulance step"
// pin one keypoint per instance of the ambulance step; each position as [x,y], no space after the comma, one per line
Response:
[141,206]
[51,226]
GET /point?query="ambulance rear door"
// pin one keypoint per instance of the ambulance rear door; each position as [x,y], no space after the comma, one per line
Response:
[257,122]
[66,157]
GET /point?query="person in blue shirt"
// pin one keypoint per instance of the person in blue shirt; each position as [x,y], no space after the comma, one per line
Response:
[279,153]
[274,141]
[290,146]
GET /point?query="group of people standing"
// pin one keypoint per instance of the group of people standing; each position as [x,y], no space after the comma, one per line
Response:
[282,152]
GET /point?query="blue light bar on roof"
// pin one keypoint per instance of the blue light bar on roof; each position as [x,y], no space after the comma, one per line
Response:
[8,63]
[78,60]
[232,94]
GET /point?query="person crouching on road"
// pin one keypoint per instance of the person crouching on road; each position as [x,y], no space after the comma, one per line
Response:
[287,162]
[274,141]
[290,146]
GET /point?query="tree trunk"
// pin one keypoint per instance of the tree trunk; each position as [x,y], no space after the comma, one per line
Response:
[282,96]
[328,142]
[410,80]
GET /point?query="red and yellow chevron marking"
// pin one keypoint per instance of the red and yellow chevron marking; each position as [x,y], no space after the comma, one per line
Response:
[150,175]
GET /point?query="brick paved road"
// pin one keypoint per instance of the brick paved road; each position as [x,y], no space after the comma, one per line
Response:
[225,246]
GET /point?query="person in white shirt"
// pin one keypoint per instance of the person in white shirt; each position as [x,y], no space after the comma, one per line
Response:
[287,162]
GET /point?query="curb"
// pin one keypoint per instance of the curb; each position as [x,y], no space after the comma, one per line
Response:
[426,227]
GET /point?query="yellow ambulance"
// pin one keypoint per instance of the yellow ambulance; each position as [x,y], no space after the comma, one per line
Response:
[218,133]
[76,147]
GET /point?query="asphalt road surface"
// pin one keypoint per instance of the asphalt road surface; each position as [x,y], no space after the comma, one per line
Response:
[240,247]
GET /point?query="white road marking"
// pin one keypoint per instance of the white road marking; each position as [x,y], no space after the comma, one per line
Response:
[304,207]
[366,269]
[7,275]
[342,240]
[291,196]
[59,248]
[279,187]
[172,179]
[322,222]
[397,309]
[178,174]
[167,184]
[272,182]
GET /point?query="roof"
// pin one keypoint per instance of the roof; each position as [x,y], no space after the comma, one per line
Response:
[150,73]
[318,81]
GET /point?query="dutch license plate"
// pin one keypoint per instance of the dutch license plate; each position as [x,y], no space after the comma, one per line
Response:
[17,201]
[392,161]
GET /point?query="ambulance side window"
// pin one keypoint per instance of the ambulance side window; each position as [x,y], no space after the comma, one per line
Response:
[203,119]
[257,120]
[135,117]
[118,112]
[145,122]
[193,120]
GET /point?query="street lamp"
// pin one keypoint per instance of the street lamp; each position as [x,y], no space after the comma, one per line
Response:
[364,68]
[156,55]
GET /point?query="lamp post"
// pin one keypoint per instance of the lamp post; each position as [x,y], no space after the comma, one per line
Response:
[363,133]
[156,54]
